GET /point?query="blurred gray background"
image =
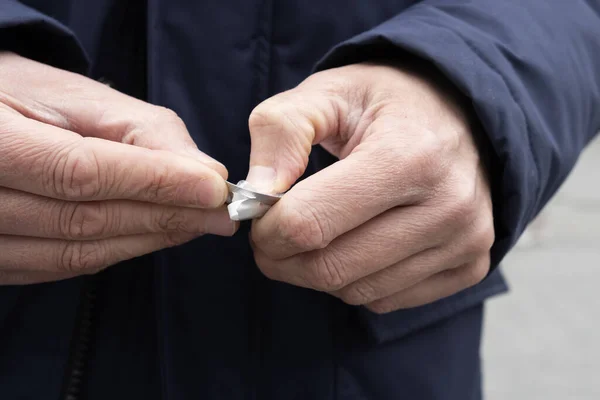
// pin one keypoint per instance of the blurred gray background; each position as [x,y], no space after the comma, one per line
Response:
[542,339]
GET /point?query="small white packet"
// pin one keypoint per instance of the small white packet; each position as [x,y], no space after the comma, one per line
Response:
[246,203]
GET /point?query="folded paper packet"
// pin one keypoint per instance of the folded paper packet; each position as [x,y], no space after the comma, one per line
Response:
[245,203]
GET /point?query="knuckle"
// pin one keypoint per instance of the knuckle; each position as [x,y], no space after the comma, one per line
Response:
[462,204]
[475,272]
[265,114]
[75,174]
[466,198]
[84,221]
[483,236]
[167,116]
[380,307]
[267,268]
[155,119]
[302,229]
[487,238]
[173,221]
[275,115]
[327,274]
[268,271]
[161,187]
[359,293]
[428,161]
[82,257]
[172,239]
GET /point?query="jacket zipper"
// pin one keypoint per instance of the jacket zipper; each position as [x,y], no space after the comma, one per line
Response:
[260,286]
[81,342]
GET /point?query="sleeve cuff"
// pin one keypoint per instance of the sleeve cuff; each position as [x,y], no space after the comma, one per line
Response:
[453,48]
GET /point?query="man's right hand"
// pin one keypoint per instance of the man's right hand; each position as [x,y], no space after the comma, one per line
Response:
[90,177]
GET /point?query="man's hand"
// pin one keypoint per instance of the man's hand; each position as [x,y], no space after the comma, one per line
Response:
[403,219]
[90,177]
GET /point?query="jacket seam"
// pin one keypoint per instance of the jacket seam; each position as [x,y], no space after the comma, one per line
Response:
[263,52]
[260,287]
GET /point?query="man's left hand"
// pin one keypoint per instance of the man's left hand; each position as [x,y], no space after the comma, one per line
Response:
[402,219]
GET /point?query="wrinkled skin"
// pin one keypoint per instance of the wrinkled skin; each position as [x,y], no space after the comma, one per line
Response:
[403,219]
[90,177]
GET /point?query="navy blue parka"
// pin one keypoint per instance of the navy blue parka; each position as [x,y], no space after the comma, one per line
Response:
[199,321]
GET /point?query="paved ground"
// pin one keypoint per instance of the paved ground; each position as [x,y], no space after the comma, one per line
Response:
[542,340]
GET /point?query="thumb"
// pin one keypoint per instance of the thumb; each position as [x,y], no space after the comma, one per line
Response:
[283,129]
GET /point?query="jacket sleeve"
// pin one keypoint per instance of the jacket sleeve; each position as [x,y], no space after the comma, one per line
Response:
[532,72]
[26,31]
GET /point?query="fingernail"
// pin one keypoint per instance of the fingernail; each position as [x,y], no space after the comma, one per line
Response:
[262,178]
[219,223]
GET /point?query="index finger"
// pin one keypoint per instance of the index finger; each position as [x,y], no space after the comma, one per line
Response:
[53,162]
[79,104]
[333,201]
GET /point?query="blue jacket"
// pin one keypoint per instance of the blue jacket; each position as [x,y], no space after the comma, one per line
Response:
[199,321]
